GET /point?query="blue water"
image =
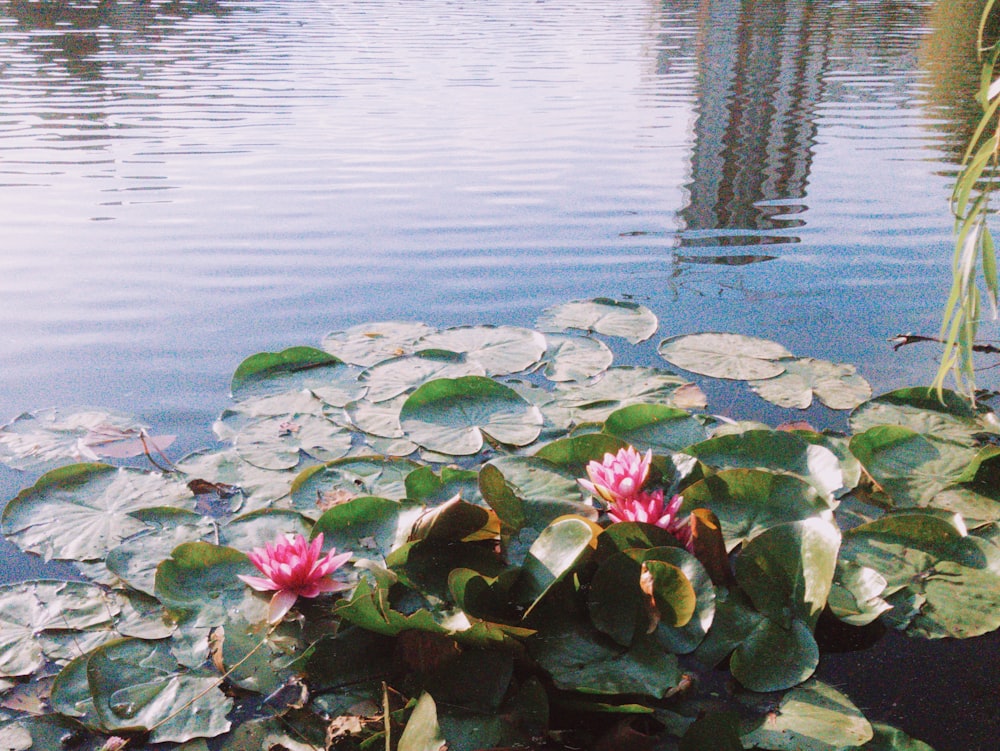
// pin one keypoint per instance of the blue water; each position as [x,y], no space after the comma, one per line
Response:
[183,184]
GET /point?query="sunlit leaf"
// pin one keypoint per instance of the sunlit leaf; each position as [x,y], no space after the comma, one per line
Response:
[499,349]
[575,358]
[256,488]
[320,488]
[391,378]
[655,426]
[422,732]
[603,315]
[199,582]
[278,443]
[837,386]
[451,415]
[81,511]
[731,356]
[371,343]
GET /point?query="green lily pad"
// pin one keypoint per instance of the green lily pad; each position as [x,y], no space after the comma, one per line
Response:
[949,418]
[370,527]
[371,343]
[29,609]
[81,511]
[44,439]
[432,488]
[663,429]
[561,547]
[500,350]
[378,418]
[836,385]
[278,443]
[855,597]
[260,528]
[775,450]
[317,489]
[775,656]
[294,369]
[199,582]
[136,685]
[575,358]
[910,468]
[422,732]
[888,738]
[749,501]
[390,378]
[450,416]
[733,356]
[252,488]
[940,580]
[811,717]
[594,401]
[632,321]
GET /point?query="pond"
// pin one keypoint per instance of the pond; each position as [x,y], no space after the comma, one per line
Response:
[183,184]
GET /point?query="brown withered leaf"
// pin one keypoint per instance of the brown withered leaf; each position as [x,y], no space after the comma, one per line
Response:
[216,638]
[31,698]
[204,487]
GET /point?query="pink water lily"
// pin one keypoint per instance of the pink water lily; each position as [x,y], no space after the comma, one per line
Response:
[619,477]
[293,568]
[619,480]
[651,509]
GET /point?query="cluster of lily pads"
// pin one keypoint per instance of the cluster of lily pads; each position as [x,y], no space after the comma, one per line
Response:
[490,601]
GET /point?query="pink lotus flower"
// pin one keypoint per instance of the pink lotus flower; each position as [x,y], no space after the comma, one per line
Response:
[650,508]
[619,477]
[293,568]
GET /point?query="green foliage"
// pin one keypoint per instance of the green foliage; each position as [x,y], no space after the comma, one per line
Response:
[490,602]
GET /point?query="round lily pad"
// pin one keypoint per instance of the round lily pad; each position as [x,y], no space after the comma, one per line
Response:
[732,356]
[279,442]
[500,350]
[575,358]
[836,385]
[371,343]
[629,320]
[390,378]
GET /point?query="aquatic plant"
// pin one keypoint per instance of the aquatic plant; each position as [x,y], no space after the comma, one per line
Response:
[492,601]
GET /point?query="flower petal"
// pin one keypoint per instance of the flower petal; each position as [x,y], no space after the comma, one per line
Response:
[261,585]
[281,603]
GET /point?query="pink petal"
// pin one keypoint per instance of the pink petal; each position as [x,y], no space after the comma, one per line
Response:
[281,603]
[261,585]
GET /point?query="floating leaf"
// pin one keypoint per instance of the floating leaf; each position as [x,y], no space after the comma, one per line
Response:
[855,597]
[811,717]
[888,738]
[500,350]
[773,657]
[260,528]
[663,429]
[948,418]
[44,439]
[371,343]
[27,609]
[279,442]
[733,356]
[256,488]
[575,358]
[81,511]
[393,377]
[378,418]
[369,527]
[941,581]
[199,582]
[560,548]
[294,369]
[136,685]
[634,322]
[319,488]
[451,415]
[749,501]
[837,385]
[424,485]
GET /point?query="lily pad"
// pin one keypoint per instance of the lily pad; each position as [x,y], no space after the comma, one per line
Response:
[294,369]
[560,548]
[500,350]
[136,685]
[80,511]
[391,378]
[199,582]
[733,356]
[632,321]
[370,527]
[44,439]
[948,418]
[371,343]
[811,717]
[451,416]
[251,487]
[322,487]
[663,429]
[836,385]
[575,358]
[279,442]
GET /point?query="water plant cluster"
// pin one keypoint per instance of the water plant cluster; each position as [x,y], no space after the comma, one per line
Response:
[393,549]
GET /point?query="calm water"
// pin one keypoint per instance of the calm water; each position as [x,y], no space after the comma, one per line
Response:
[183,184]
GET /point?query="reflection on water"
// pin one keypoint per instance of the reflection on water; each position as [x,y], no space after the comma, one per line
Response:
[185,183]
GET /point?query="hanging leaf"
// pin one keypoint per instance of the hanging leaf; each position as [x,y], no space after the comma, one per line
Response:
[451,415]
[733,356]
[837,385]
[632,321]
[371,343]
[575,358]
[500,350]
[81,511]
